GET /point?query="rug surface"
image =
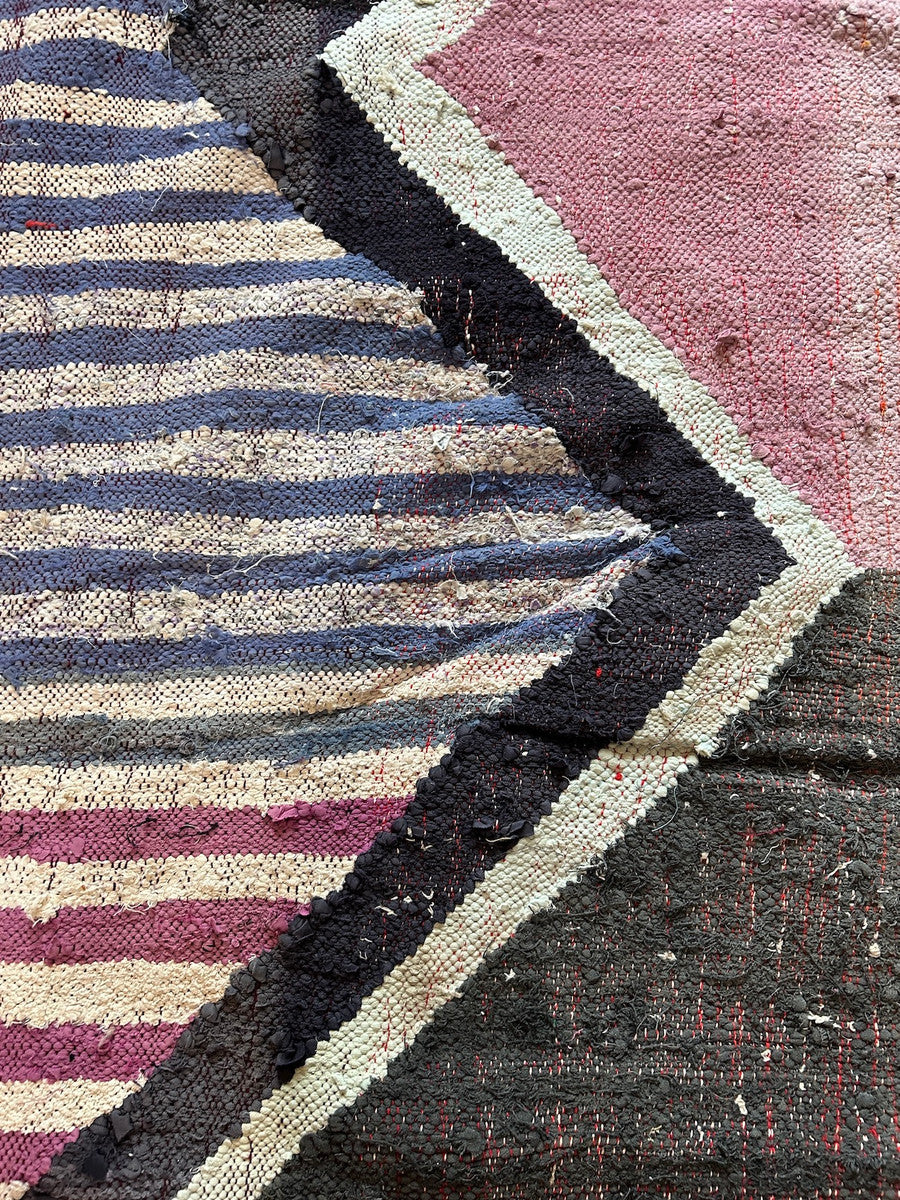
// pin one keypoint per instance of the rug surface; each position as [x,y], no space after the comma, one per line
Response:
[448,600]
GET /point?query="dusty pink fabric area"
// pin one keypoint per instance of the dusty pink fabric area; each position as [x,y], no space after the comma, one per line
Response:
[734,171]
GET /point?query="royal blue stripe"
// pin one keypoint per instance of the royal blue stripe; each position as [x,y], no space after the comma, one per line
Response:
[71,278]
[157,207]
[95,64]
[235,409]
[399,495]
[122,570]
[299,333]
[60,142]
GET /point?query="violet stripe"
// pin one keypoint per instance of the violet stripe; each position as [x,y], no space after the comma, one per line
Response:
[204,931]
[27,1155]
[82,1051]
[342,828]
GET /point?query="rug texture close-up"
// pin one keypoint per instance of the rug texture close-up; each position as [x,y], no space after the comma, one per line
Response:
[449,600]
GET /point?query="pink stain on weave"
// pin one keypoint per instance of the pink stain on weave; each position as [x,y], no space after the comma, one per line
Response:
[734,172]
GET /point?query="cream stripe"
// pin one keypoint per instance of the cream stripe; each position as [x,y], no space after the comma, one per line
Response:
[211,168]
[81,106]
[154,532]
[76,385]
[108,993]
[212,243]
[64,1104]
[135,308]
[180,698]
[13,1189]
[178,613]
[299,457]
[259,783]
[617,789]
[129,30]
[41,889]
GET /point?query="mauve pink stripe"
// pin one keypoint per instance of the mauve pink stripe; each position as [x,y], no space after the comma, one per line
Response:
[341,828]
[83,1051]
[27,1155]
[208,931]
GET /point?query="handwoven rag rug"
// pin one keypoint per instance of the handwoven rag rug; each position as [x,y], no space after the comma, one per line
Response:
[449,600]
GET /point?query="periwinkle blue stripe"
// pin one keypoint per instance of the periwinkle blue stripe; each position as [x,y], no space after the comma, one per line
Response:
[98,65]
[125,570]
[162,206]
[36,660]
[236,410]
[160,275]
[60,142]
[299,333]
[398,495]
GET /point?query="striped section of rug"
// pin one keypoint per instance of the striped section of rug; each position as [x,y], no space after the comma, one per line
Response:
[264,547]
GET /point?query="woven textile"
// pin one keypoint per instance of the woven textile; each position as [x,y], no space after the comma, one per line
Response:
[446,634]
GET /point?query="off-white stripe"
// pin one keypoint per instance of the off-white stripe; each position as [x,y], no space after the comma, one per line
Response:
[259,783]
[107,615]
[75,385]
[81,106]
[299,457]
[130,992]
[131,31]
[41,889]
[212,243]
[13,1189]
[617,789]
[211,168]
[64,1104]
[135,308]
[212,534]
[261,694]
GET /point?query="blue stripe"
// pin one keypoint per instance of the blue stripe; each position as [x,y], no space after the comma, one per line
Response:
[399,495]
[11,9]
[235,409]
[123,570]
[160,207]
[167,276]
[296,334]
[35,660]
[98,65]
[60,142]
[42,659]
